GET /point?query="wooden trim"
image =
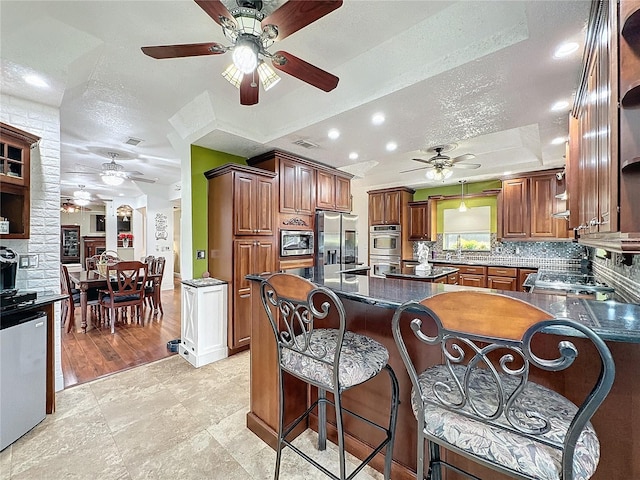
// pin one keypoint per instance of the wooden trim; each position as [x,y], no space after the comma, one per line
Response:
[392,189]
[18,134]
[254,161]
[236,167]
[628,242]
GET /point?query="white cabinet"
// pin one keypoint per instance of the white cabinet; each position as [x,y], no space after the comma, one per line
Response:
[204,321]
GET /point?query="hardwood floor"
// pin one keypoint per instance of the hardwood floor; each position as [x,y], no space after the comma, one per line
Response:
[97,353]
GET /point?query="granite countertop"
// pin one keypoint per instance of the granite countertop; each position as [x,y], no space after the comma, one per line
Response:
[44,298]
[203,282]
[410,273]
[612,320]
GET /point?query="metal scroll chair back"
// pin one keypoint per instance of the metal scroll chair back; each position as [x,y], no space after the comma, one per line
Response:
[125,284]
[484,389]
[308,322]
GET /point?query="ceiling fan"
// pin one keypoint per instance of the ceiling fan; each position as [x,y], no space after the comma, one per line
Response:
[252,33]
[70,206]
[440,165]
[113,173]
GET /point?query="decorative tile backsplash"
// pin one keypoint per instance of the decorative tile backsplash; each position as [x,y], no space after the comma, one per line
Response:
[624,278]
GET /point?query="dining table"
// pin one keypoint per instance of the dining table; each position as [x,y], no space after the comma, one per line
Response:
[88,279]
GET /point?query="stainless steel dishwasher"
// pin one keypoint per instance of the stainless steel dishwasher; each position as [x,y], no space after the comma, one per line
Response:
[23,356]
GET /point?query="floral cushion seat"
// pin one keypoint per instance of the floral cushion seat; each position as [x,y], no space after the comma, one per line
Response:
[497,445]
[361,358]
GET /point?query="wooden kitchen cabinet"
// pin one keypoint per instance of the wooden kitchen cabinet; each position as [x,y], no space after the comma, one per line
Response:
[242,197]
[250,257]
[502,278]
[390,206]
[333,192]
[15,183]
[253,204]
[297,187]
[523,273]
[472,275]
[422,218]
[528,204]
[452,278]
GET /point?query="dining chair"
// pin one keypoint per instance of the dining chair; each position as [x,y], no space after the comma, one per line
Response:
[314,345]
[152,290]
[126,281]
[480,401]
[91,263]
[73,299]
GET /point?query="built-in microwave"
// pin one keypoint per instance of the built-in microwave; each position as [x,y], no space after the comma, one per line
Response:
[296,242]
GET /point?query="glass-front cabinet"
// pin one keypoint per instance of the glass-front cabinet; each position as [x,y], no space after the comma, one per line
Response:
[70,244]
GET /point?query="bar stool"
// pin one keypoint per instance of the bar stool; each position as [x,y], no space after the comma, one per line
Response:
[480,402]
[332,359]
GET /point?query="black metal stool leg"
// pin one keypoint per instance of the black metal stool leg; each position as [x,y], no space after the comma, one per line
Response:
[338,404]
[322,419]
[435,470]
[393,418]
[280,424]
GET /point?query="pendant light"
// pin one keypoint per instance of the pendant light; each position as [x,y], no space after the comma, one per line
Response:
[463,206]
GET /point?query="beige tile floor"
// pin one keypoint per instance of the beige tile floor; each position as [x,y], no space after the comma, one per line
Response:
[164,420]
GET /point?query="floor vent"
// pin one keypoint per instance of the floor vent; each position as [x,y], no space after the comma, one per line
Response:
[305,144]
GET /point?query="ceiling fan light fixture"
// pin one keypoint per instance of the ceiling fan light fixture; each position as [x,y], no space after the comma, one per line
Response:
[233,75]
[81,202]
[439,174]
[463,206]
[267,75]
[245,55]
[112,179]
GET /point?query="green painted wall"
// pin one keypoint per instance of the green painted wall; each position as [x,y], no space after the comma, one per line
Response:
[477,187]
[202,160]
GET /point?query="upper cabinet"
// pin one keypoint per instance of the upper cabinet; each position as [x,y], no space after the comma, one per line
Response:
[528,204]
[333,191]
[422,218]
[389,206]
[297,185]
[604,143]
[305,185]
[253,199]
[15,168]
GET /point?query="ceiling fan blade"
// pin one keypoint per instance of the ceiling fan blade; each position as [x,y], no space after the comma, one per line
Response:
[468,166]
[462,158]
[422,160]
[249,90]
[215,9]
[304,71]
[414,169]
[140,179]
[187,50]
[296,14]
[83,173]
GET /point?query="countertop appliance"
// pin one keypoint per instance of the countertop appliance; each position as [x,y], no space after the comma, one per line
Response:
[336,238]
[8,269]
[23,356]
[567,283]
[296,242]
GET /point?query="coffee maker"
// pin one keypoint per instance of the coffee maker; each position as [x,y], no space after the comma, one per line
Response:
[8,269]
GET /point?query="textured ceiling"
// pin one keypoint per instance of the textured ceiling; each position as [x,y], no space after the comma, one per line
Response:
[479,74]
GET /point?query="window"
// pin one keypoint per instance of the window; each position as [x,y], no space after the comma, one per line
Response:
[470,230]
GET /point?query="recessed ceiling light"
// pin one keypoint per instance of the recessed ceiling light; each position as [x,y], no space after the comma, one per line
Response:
[508,172]
[565,49]
[35,80]
[333,133]
[353,156]
[378,118]
[559,106]
[391,146]
[558,140]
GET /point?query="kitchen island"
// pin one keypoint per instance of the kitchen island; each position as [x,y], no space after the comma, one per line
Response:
[370,302]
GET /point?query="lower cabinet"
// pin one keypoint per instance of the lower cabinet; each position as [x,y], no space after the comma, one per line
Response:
[203,336]
[452,278]
[523,273]
[472,276]
[442,279]
[250,256]
[502,278]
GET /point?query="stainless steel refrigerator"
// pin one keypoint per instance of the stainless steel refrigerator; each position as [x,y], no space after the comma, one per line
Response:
[336,238]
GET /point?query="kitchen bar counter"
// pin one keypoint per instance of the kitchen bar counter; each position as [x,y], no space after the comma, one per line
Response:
[370,302]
